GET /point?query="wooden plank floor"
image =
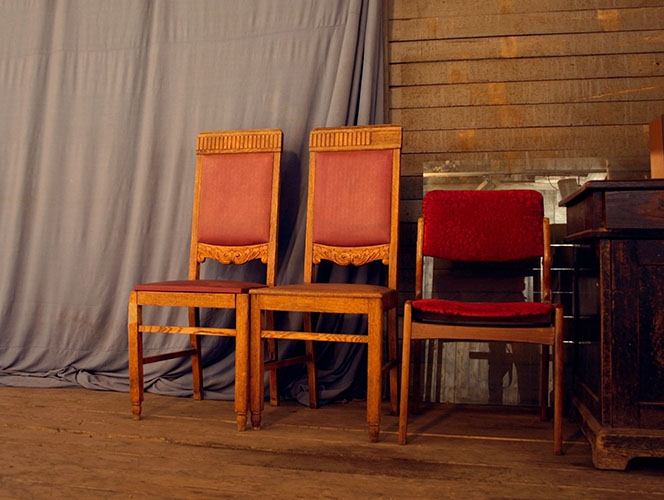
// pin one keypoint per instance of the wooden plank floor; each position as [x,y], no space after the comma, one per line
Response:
[76,443]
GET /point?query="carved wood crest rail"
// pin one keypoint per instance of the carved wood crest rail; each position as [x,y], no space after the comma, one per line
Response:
[244,141]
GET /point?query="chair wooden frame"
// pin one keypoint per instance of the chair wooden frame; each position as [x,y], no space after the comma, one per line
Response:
[544,335]
[210,143]
[311,297]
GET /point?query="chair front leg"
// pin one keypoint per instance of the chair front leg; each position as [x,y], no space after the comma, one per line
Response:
[135,341]
[374,368]
[257,368]
[241,360]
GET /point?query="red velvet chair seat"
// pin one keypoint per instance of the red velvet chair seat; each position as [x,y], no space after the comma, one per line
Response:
[199,286]
[483,313]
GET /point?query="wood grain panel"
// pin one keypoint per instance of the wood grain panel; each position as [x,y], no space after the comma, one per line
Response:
[596,141]
[509,90]
[528,69]
[510,47]
[540,115]
[562,161]
[527,23]
[407,9]
[530,92]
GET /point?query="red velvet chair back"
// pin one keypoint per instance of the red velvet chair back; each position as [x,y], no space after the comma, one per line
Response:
[483,226]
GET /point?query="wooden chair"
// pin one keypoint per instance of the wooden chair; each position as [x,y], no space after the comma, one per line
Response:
[352,219]
[236,198]
[489,227]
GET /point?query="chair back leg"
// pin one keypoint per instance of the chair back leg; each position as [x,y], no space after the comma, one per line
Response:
[558,373]
[393,360]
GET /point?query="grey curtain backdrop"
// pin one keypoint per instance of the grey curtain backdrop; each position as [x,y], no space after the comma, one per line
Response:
[100,105]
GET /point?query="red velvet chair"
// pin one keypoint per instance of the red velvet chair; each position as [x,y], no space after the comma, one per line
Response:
[486,226]
[352,219]
[236,201]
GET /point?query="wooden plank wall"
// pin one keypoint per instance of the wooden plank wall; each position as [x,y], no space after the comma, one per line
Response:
[543,87]
[521,90]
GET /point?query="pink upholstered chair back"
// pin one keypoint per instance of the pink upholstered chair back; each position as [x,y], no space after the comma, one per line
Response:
[353,199]
[235,198]
[483,226]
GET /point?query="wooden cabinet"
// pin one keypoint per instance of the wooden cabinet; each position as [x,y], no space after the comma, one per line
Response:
[618,327]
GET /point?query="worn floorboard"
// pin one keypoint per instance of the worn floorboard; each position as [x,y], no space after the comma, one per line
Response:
[75,443]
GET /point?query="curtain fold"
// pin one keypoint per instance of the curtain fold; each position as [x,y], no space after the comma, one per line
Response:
[100,105]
